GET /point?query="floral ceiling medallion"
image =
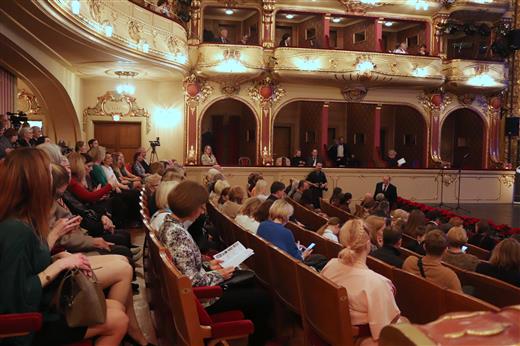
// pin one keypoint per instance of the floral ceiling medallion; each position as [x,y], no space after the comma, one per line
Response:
[360,6]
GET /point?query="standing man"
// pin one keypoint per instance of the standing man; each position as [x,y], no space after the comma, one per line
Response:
[339,153]
[387,189]
[314,159]
[318,183]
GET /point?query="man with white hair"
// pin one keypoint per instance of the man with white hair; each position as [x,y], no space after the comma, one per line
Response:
[36,133]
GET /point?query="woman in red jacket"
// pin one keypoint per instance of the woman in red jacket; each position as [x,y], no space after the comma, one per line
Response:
[78,186]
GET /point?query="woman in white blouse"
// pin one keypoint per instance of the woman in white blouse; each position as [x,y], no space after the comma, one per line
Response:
[331,229]
[208,159]
[245,214]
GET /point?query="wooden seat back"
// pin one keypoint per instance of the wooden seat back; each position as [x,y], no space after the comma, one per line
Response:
[491,290]
[333,211]
[455,301]
[262,260]
[325,307]
[481,253]
[284,278]
[310,219]
[181,304]
[380,267]
[420,301]
[307,237]
[405,253]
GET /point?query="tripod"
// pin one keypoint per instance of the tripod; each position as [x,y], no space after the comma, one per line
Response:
[153,155]
[458,207]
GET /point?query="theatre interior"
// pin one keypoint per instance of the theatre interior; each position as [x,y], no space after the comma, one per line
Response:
[260,172]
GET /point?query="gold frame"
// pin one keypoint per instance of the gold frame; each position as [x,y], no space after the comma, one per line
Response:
[364,36]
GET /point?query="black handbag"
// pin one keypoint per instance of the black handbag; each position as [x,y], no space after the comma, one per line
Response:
[240,278]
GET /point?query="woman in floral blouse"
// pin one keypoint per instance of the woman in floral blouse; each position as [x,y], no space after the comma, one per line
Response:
[187,201]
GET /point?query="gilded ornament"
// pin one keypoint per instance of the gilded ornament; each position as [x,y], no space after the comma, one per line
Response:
[359,7]
[135,30]
[266,91]
[33,106]
[354,94]
[127,102]
[507,180]
[466,99]
[197,89]
[230,89]
[95,9]
[435,100]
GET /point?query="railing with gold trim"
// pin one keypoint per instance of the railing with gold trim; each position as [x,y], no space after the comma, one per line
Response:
[475,75]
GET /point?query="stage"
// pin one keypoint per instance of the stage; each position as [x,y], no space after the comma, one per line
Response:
[508,214]
[483,187]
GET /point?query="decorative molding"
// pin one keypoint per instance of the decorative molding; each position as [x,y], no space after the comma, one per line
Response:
[466,99]
[33,106]
[197,89]
[229,89]
[266,91]
[358,7]
[507,180]
[354,94]
[436,100]
[134,30]
[112,103]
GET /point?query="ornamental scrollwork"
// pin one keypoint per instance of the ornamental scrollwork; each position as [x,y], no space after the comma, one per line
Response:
[197,89]
[112,103]
[507,180]
[436,100]
[266,91]
[31,101]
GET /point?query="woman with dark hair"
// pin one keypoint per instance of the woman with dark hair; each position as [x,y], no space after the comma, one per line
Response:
[138,167]
[81,147]
[415,219]
[26,265]
[285,41]
[504,263]
[187,203]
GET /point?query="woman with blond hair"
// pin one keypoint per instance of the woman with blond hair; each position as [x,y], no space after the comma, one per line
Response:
[161,202]
[371,296]
[504,263]
[260,190]
[375,225]
[330,230]
[245,214]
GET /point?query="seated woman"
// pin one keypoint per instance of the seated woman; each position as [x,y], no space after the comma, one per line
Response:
[161,201]
[260,190]
[106,165]
[336,195]
[187,202]
[457,238]
[218,188]
[139,165]
[245,214]
[274,231]
[235,197]
[375,226]
[504,263]
[25,261]
[371,296]
[344,202]
[330,230]
[207,158]
[80,171]
[122,174]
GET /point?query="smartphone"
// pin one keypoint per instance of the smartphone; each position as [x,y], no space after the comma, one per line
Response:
[312,245]
[464,248]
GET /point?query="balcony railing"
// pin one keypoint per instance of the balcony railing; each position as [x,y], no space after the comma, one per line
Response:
[351,68]
[475,75]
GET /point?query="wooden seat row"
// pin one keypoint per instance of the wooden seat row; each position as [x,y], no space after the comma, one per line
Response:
[307,217]
[333,211]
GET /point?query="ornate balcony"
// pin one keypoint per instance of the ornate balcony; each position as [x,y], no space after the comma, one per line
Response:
[475,76]
[348,68]
[229,64]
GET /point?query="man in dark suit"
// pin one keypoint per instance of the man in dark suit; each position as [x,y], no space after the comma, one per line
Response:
[314,159]
[389,252]
[223,34]
[318,181]
[277,191]
[338,152]
[387,189]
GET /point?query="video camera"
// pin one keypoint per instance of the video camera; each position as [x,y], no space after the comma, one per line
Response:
[17,119]
[156,143]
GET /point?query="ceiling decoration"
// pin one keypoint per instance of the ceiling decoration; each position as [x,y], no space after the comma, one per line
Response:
[360,6]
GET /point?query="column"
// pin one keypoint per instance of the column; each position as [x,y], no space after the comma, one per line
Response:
[326,31]
[379,35]
[428,36]
[195,24]
[438,48]
[266,141]
[324,133]
[267,23]
[435,135]
[193,151]
[376,148]
[493,115]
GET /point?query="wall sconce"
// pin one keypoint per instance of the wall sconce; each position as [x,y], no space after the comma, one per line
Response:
[482,80]
[420,72]
[307,64]
[108,29]
[231,63]
[419,4]
[365,66]
[75,6]
[126,87]
[116,117]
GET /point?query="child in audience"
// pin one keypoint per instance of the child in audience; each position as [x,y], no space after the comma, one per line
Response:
[331,229]
[371,296]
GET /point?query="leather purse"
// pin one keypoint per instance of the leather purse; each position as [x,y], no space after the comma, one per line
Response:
[240,278]
[80,299]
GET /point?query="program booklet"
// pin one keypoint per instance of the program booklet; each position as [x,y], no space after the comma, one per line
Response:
[234,255]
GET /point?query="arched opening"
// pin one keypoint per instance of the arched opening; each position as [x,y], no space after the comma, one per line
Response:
[463,138]
[298,126]
[230,127]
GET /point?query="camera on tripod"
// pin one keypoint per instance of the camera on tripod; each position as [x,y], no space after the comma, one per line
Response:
[156,143]
[17,119]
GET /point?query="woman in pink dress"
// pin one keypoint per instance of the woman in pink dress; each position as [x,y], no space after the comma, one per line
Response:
[371,296]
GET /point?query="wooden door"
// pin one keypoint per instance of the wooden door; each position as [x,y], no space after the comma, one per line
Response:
[119,136]
[282,141]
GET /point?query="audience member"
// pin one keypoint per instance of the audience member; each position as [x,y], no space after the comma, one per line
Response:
[223,36]
[344,202]
[139,165]
[251,182]
[92,143]
[187,202]
[24,137]
[483,237]
[415,219]
[8,142]
[223,197]
[262,213]
[318,184]
[402,48]
[245,39]
[339,152]
[504,263]
[388,189]
[285,41]
[219,187]
[371,296]
[207,158]
[81,147]
[389,252]
[422,50]
[430,266]
[375,225]
[245,217]
[391,159]
[330,230]
[25,261]
[303,185]
[161,203]
[122,173]
[297,160]
[417,244]
[277,191]
[314,159]
[234,202]
[36,133]
[455,255]
[260,190]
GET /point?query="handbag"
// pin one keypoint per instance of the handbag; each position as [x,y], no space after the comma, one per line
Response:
[240,278]
[80,299]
